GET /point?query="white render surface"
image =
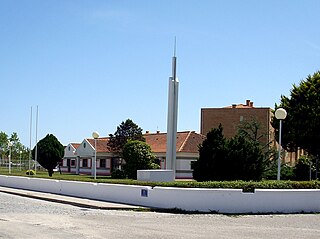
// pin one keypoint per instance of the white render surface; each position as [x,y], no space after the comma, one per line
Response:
[156,175]
[172,121]
[189,199]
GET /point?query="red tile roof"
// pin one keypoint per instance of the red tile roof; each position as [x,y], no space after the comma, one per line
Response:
[187,142]
[75,145]
[102,145]
[240,106]
[248,105]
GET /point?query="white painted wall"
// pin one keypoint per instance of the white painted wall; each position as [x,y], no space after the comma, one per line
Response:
[191,199]
[69,151]
[183,164]
[155,175]
[85,149]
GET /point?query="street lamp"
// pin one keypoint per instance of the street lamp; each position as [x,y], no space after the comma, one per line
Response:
[10,145]
[280,114]
[95,135]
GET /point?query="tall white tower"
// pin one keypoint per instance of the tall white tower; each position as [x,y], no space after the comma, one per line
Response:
[172,117]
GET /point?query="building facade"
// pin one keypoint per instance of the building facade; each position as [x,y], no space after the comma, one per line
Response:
[78,158]
[231,117]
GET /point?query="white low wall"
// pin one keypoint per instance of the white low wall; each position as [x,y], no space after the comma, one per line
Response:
[190,199]
[155,175]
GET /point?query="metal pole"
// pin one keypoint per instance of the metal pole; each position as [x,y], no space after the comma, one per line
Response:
[30,139]
[36,153]
[279,151]
[10,160]
[20,160]
[95,159]
[317,160]
[310,170]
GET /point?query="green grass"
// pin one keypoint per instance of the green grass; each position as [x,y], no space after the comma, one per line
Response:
[246,186]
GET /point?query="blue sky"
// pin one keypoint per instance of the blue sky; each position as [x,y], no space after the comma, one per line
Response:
[91,64]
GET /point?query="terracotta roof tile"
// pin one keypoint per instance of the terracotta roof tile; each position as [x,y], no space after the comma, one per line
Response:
[240,106]
[187,141]
[75,145]
[102,145]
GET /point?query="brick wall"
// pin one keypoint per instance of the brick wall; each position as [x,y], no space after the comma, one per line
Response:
[231,117]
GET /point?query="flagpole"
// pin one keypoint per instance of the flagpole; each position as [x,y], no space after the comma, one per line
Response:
[36,152]
[30,154]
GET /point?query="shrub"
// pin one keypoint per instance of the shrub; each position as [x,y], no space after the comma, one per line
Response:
[238,158]
[137,155]
[286,172]
[302,169]
[118,174]
[30,172]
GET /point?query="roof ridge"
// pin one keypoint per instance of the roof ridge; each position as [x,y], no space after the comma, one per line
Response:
[92,146]
[185,141]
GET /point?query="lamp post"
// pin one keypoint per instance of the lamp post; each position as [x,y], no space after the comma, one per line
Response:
[95,135]
[10,145]
[280,114]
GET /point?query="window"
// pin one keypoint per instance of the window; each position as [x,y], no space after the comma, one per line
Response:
[85,163]
[102,163]
[84,145]
[73,162]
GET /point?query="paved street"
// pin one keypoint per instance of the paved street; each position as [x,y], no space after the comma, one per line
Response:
[22,217]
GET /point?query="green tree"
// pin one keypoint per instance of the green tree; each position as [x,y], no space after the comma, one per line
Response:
[212,154]
[137,155]
[3,144]
[302,169]
[126,131]
[253,132]
[238,158]
[50,152]
[17,146]
[301,128]
[244,159]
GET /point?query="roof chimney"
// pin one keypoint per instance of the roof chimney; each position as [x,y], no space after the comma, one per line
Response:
[247,102]
[147,132]
[251,104]
[158,131]
[234,106]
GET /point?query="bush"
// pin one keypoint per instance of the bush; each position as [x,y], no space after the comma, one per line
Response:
[118,174]
[30,172]
[286,172]
[137,155]
[302,169]
[238,158]
[249,186]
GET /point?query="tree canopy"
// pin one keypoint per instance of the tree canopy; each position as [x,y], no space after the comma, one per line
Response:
[16,147]
[212,152]
[3,144]
[238,158]
[138,155]
[50,152]
[301,128]
[126,131]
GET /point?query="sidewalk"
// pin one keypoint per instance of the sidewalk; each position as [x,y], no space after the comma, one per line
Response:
[79,202]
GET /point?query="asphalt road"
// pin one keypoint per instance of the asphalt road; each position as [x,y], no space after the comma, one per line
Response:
[22,217]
